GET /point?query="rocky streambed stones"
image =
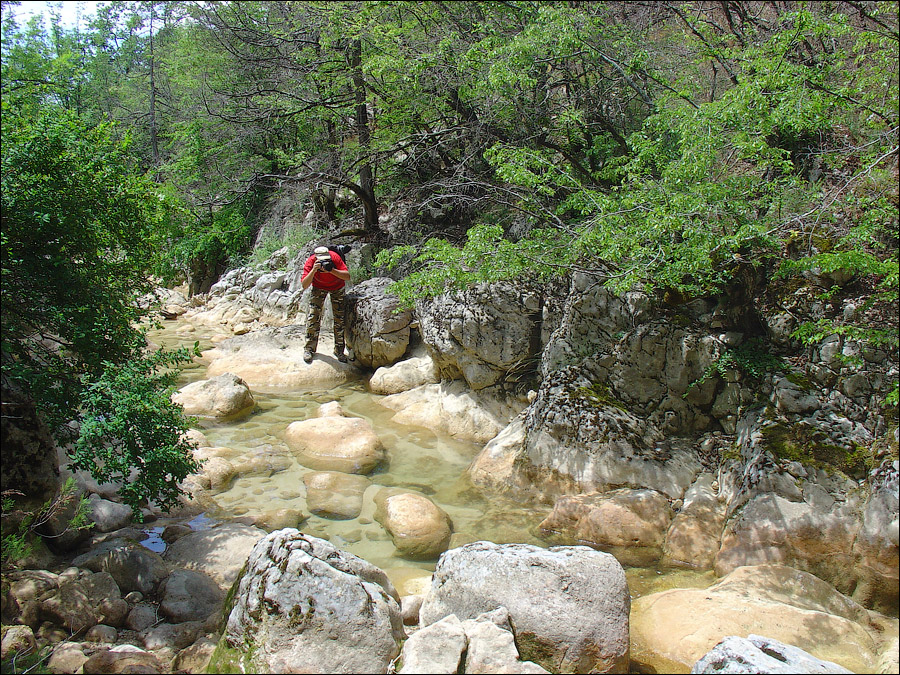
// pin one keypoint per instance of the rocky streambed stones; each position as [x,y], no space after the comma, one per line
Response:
[224,396]
[336,443]
[418,527]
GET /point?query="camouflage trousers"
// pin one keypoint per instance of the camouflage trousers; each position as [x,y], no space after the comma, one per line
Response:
[314,318]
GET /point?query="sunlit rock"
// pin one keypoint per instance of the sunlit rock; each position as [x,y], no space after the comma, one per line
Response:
[630,524]
[334,494]
[569,604]
[302,602]
[347,444]
[672,630]
[225,395]
[418,527]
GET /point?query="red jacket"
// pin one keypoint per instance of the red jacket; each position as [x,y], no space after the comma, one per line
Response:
[326,281]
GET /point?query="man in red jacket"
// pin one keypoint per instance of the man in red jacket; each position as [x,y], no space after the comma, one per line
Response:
[327,273]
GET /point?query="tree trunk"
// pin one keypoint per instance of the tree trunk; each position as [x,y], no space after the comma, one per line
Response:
[366,174]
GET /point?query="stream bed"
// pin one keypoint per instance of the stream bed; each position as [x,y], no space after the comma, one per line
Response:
[420,460]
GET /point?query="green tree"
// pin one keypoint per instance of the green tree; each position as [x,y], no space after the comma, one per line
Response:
[76,225]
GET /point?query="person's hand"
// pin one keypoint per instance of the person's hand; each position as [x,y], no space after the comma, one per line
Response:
[317,267]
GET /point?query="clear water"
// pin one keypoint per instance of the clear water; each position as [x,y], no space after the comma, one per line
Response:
[419,459]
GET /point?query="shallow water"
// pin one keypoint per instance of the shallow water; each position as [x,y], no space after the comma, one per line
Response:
[418,459]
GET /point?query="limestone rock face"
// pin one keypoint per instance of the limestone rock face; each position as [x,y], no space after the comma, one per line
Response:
[483,333]
[226,395]
[306,606]
[668,632]
[694,537]
[335,443]
[771,529]
[577,439]
[563,582]
[376,332]
[418,527]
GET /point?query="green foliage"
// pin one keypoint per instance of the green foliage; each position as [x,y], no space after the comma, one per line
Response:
[131,431]
[485,257]
[75,219]
[76,254]
[17,536]
[752,358]
[295,240]
[28,662]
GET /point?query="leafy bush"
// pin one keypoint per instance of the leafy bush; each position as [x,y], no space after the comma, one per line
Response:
[76,252]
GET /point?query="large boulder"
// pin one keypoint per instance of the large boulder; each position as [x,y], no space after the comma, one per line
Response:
[223,396]
[273,358]
[418,527]
[134,567]
[569,604]
[404,375]
[188,595]
[81,602]
[334,494]
[669,634]
[377,331]
[336,443]
[304,606]
[451,408]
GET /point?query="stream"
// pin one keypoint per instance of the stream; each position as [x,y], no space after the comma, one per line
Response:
[420,460]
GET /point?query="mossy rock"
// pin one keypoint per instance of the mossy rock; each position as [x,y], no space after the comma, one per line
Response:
[599,396]
[808,445]
[226,659]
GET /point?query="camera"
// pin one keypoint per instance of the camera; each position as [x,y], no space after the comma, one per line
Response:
[325,262]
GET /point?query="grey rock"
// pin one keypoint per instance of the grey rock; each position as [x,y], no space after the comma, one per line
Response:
[108,515]
[188,595]
[134,567]
[755,654]
[562,582]
[350,622]
[437,648]
[376,332]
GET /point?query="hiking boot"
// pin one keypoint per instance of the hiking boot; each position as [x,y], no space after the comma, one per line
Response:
[307,356]
[341,356]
